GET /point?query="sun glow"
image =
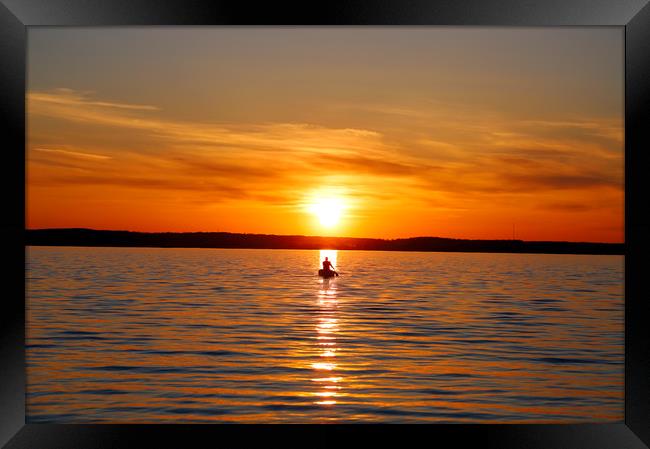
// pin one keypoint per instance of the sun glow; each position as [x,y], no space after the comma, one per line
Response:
[328,211]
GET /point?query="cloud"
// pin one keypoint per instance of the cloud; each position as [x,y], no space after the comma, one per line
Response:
[295,137]
[76,154]
[365,165]
[548,181]
[147,182]
[567,206]
[256,157]
[450,159]
[69,97]
[610,129]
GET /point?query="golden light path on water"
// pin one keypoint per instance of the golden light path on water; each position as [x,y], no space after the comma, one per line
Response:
[326,330]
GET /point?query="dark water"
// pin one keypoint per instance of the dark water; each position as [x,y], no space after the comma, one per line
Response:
[219,335]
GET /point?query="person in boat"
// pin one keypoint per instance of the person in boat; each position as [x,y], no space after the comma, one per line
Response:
[328,267]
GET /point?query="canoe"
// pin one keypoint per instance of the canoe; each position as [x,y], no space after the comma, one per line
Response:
[326,274]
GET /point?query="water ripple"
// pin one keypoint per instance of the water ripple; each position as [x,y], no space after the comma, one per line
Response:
[254,336]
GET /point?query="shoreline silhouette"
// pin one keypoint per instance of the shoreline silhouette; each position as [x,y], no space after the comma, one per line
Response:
[107,238]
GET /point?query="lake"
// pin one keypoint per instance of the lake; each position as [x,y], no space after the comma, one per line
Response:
[152,335]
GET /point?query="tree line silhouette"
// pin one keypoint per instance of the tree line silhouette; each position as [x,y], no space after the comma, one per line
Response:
[91,237]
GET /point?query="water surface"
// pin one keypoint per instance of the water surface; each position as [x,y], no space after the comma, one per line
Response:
[254,336]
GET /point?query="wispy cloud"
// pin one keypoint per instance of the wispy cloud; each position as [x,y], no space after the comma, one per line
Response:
[445,160]
[76,154]
[69,97]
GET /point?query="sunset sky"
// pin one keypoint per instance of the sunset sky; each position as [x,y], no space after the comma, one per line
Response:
[361,132]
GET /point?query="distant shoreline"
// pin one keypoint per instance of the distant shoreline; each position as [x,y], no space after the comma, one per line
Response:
[102,238]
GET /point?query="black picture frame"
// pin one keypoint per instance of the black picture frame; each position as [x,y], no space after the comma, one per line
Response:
[633,15]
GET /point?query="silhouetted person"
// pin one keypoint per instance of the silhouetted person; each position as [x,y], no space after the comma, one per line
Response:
[327,266]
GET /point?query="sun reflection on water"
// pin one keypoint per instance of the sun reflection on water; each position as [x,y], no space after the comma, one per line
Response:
[326,330]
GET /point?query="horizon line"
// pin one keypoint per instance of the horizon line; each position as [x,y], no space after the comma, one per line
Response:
[323,236]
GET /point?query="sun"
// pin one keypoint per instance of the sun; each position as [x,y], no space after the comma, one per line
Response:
[328,211]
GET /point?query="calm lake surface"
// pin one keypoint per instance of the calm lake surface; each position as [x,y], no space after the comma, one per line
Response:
[254,336]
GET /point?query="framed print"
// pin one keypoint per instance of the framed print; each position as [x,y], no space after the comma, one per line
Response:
[327,221]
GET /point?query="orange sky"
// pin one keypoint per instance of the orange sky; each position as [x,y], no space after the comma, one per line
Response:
[452,132]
